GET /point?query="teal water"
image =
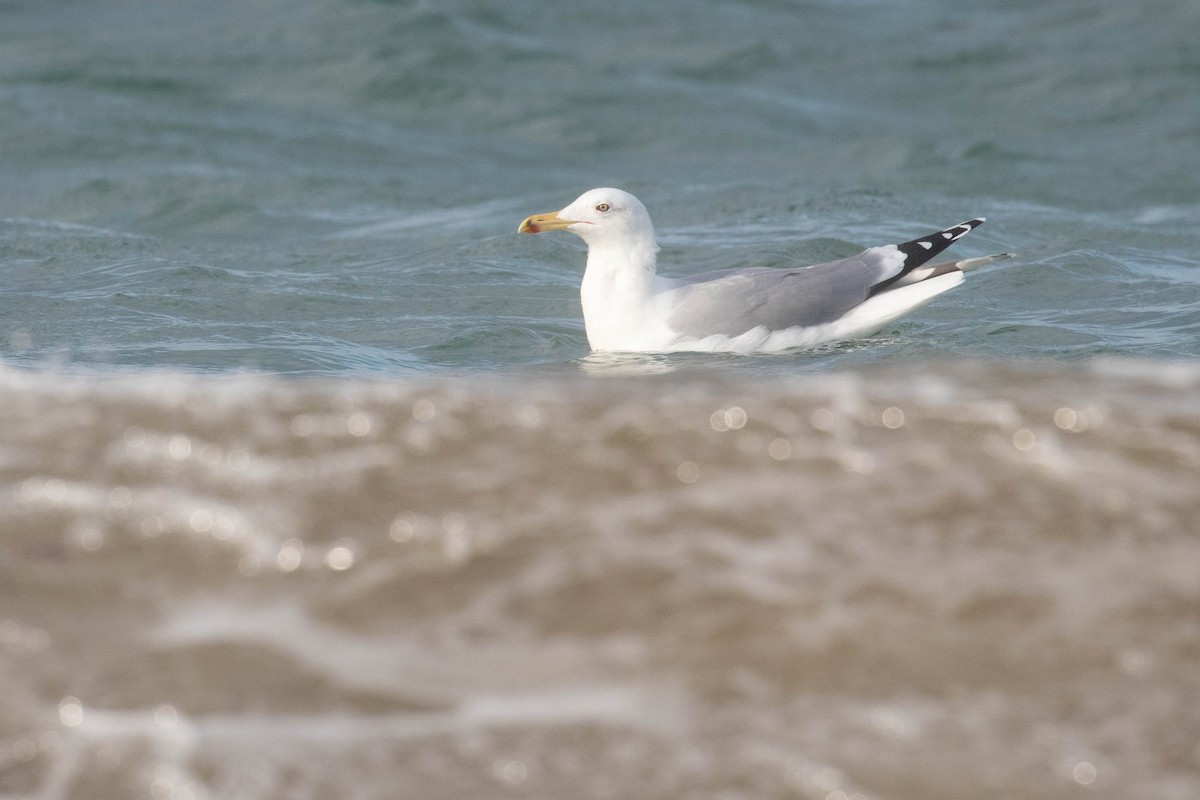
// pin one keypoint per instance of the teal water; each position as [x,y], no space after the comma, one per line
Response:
[333,187]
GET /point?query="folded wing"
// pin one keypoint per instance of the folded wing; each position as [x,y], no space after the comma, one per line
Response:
[735,301]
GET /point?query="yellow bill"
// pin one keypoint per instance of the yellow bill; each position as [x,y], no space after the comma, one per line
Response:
[545,222]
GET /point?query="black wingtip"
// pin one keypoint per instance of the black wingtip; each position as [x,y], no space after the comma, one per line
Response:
[918,251]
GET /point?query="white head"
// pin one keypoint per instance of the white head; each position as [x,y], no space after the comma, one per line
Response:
[619,282]
[599,216]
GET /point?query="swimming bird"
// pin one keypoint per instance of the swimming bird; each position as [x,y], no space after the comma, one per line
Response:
[628,306]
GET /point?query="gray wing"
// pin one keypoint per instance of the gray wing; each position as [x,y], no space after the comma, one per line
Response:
[735,301]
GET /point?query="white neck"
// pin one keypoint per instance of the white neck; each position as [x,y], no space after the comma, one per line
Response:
[617,288]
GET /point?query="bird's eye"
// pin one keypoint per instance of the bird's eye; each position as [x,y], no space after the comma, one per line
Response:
[602,207]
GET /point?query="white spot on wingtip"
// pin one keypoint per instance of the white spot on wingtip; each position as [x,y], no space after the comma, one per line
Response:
[926,245]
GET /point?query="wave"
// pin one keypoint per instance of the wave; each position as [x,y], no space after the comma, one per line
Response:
[816,584]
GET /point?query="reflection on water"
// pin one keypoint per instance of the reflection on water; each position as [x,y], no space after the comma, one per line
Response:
[622,364]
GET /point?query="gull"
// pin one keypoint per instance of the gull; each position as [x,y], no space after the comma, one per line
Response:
[628,306]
